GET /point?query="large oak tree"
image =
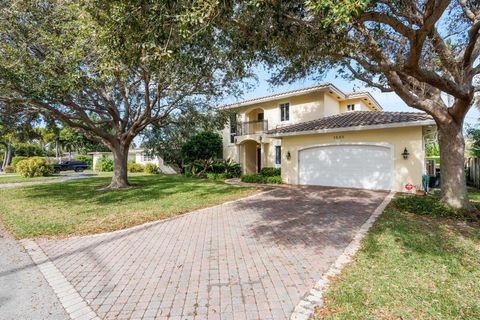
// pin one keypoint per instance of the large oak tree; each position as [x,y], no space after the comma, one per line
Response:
[426,51]
[109,69]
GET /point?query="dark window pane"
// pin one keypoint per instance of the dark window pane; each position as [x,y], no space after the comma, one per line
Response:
[278,154]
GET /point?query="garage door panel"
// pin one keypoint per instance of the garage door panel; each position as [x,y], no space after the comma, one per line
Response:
[357,166]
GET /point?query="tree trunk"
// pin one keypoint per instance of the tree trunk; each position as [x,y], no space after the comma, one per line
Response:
[8,155]
[120,159]
[453,181]
[56,151]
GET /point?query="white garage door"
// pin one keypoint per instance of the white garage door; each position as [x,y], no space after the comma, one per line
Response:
[351,166]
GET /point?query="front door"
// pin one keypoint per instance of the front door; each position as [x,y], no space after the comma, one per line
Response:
[259,160]
[260,116]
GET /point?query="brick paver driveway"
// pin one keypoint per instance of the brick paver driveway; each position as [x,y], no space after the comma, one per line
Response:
[250,259]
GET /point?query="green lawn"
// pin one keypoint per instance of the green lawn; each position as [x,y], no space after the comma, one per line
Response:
[410,267]
[77,207]
[10,178]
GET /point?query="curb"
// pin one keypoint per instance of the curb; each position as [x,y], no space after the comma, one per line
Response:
[72,302]
[314,298]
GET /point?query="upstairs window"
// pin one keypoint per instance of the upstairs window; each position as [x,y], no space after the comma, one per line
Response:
[278,154]
[285,111]
[233,127]
[350,107]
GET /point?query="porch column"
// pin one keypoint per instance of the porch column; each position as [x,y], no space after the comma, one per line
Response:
[262,155]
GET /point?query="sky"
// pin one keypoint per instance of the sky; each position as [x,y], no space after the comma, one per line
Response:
[389,101]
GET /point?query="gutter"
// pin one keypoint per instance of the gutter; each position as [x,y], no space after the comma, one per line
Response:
[357,128]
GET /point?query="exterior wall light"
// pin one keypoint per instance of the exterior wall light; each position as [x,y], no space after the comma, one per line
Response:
[260,138]
[405,153]
[289,156]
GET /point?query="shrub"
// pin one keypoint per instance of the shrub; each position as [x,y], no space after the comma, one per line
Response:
[104,164]
[200,168]
[253,178]
[270,172]
[151,168]
[134,167]
[274,179]
[216,176]
[205,145]
[258,178]
[34,167]
[9,169]
[232,169]
[85,158]
[425,205]
[16,160]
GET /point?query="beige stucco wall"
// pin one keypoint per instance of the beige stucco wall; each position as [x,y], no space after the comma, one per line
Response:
[331,106]
[302,108]
[360,105]
[248,156]
[406,171]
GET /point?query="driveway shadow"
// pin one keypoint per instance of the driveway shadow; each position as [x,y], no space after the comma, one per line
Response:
[313,217]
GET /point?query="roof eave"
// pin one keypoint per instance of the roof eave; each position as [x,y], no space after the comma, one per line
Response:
[327,87]
[368,95]
[356,128]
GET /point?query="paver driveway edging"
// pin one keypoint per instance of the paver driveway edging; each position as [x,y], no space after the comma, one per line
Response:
[305,308]
[72,302]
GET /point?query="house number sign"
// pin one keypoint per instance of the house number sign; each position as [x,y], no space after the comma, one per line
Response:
[338,137]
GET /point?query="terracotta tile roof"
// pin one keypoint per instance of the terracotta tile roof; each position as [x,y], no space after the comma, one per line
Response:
[353,119]
[319,87]
[276,95]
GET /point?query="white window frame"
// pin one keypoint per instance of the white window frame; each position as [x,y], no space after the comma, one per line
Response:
[278,156]
[280,105]
[351,105]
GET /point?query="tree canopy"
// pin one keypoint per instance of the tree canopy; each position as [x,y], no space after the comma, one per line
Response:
[109,69]
[167,141]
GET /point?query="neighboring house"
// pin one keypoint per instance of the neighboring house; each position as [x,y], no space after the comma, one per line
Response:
[322,136]
[137,156]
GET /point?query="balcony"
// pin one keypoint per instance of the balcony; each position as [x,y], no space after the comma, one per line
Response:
[252,127]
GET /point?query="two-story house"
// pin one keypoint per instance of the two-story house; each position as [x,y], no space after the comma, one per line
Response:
[322,136]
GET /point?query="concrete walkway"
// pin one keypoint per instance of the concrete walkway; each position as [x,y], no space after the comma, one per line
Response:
[24,293]
[249,259]
[64,177]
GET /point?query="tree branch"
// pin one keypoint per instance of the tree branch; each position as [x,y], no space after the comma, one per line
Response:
[368,81]
[472,50]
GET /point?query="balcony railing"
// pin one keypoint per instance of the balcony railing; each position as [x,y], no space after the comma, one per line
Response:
[252,127]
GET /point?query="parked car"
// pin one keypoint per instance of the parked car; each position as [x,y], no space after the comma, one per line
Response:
[77,166]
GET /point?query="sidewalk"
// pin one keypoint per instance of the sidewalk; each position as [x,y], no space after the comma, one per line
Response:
[24,293]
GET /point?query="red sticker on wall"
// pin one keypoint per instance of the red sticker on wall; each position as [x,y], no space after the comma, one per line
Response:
[409,186]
